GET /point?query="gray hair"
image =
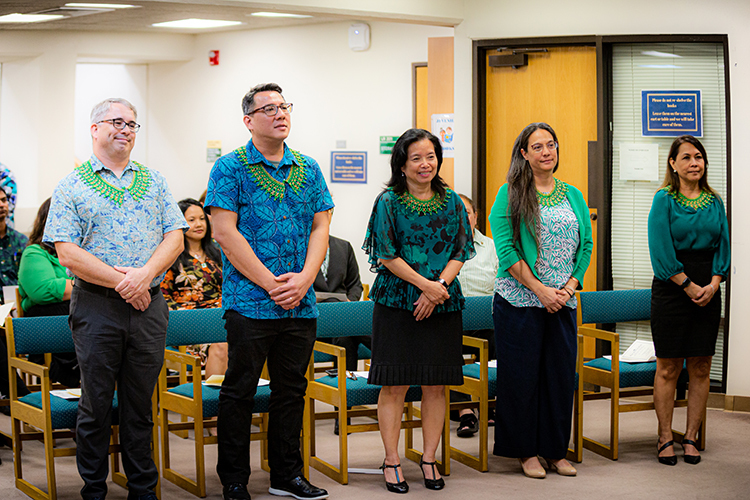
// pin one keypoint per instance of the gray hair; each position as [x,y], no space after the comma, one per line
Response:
[100,110]
[248,102]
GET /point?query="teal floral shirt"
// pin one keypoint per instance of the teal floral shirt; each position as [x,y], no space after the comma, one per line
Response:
[425,241]
[559,237]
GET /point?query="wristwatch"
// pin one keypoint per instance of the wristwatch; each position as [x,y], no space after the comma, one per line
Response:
[685,283]
[442,282]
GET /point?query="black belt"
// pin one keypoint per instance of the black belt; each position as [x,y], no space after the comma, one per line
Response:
[106,292]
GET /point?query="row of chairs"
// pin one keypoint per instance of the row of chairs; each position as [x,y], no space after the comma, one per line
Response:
[39,416]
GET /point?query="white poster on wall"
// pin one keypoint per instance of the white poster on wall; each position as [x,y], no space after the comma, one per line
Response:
[639,162]
[442,127]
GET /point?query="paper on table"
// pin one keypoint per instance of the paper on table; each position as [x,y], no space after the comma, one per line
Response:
[5,310]
[640,351]
[490,364]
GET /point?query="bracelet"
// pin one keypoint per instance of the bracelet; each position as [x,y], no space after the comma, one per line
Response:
[712,287]
[570,293]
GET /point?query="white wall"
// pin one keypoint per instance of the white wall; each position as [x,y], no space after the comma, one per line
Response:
[338,94]
[506,19]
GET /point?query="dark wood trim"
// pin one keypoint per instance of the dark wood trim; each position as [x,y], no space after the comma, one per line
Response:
[666,38]
[479,130]
[553,41]
[728,112]
[414,67]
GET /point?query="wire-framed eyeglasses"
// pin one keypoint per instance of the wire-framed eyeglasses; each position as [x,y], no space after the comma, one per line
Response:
[273,109]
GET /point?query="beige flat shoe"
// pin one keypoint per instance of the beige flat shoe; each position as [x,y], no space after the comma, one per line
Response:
[533,472]
[563,470]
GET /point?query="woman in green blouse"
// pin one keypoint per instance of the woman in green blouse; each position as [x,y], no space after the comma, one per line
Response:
[418,237]
[688,239]
[45,288]
[542,235]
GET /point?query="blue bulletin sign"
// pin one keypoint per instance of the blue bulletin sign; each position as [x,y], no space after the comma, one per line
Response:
[349,166]
[671,113]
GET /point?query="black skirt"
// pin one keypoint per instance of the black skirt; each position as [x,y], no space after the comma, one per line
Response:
[679,327]
[410,352]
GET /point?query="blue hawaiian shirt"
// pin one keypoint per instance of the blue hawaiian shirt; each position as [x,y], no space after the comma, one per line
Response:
[124,235]
[11,247]
[278,231]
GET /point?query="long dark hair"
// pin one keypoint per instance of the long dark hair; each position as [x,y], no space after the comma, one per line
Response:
[207,243]
[523,204]
[35,238]
[672,179]
[401,153]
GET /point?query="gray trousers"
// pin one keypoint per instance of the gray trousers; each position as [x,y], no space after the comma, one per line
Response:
[116,344]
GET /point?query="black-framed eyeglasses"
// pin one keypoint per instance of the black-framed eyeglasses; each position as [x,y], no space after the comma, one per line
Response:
[119,124]
[273,109]
[538,148]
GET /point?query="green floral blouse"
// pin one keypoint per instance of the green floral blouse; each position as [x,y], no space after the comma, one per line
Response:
[425,236]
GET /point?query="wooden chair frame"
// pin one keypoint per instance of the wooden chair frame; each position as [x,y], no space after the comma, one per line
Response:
[611,379]
[37,425]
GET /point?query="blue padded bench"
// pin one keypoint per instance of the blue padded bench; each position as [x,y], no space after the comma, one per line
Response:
[50,417]
[627,379]
[340,319]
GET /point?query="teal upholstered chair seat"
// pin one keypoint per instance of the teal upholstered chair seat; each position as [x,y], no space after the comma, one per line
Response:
[360,393]
[472,370]
[63,411]
[211,398]
[362,353]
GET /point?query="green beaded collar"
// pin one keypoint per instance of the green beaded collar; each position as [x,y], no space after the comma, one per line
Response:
[274,188]
[138,189]
[704,200]
[555,197]
[423,207]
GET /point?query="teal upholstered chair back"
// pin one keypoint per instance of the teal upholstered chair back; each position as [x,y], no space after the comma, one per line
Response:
[615,306]
[42,334]
[196,326]
[345,319]
[477,313]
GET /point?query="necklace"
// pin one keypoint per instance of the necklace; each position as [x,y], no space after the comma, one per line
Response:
[704,200]
[555,197]
[200,257]
[274,188]
[423,207]
[137,189]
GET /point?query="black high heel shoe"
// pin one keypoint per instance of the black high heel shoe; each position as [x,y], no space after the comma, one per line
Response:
[399,487]
[431,484]
[666,460]
[690,459]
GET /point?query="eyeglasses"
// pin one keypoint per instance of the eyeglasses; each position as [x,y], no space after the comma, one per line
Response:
[538,148]
[119,124]
[273,109]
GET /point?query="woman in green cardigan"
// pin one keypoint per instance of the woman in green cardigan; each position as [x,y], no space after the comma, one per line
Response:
[688,239]
[45,289]
[542,234]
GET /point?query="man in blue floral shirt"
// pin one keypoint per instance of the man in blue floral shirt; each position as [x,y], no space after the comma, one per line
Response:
[117,229]
[12,244]
[269,207]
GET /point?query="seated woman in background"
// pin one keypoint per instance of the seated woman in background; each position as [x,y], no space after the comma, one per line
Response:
[194,280]
[45,288]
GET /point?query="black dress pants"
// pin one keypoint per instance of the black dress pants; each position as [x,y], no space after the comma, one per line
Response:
[116,343]
[287,345]
[536,365]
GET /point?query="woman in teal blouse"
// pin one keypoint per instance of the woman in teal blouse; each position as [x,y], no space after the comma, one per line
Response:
[542,235]
[418,237]
[45,288]
[688,239]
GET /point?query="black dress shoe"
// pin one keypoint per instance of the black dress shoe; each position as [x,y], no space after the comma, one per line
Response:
[666,460]
[431,484]
[236,491]
[336,425]
[690,459]
[469,426]
[299,487]
[400,486]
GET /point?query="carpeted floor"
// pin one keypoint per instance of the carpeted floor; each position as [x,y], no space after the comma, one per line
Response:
[723,473]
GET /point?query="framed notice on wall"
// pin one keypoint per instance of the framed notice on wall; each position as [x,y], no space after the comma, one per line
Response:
[671,113]
[349,166]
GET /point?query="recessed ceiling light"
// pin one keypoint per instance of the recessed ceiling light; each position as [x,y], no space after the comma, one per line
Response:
[28,18]
[196,23]
[278,14]
[101,5]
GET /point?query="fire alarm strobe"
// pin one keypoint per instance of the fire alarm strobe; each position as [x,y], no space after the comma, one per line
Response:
[213,57]
[359,36]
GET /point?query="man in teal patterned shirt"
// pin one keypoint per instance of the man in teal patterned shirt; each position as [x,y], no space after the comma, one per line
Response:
[12,244]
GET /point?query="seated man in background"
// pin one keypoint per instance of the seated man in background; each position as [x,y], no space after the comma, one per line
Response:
[477,277]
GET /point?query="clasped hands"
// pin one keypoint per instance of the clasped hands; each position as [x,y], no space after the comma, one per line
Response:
[433,294]
[289,289]
[135,287]
[553,299]
[701,296]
